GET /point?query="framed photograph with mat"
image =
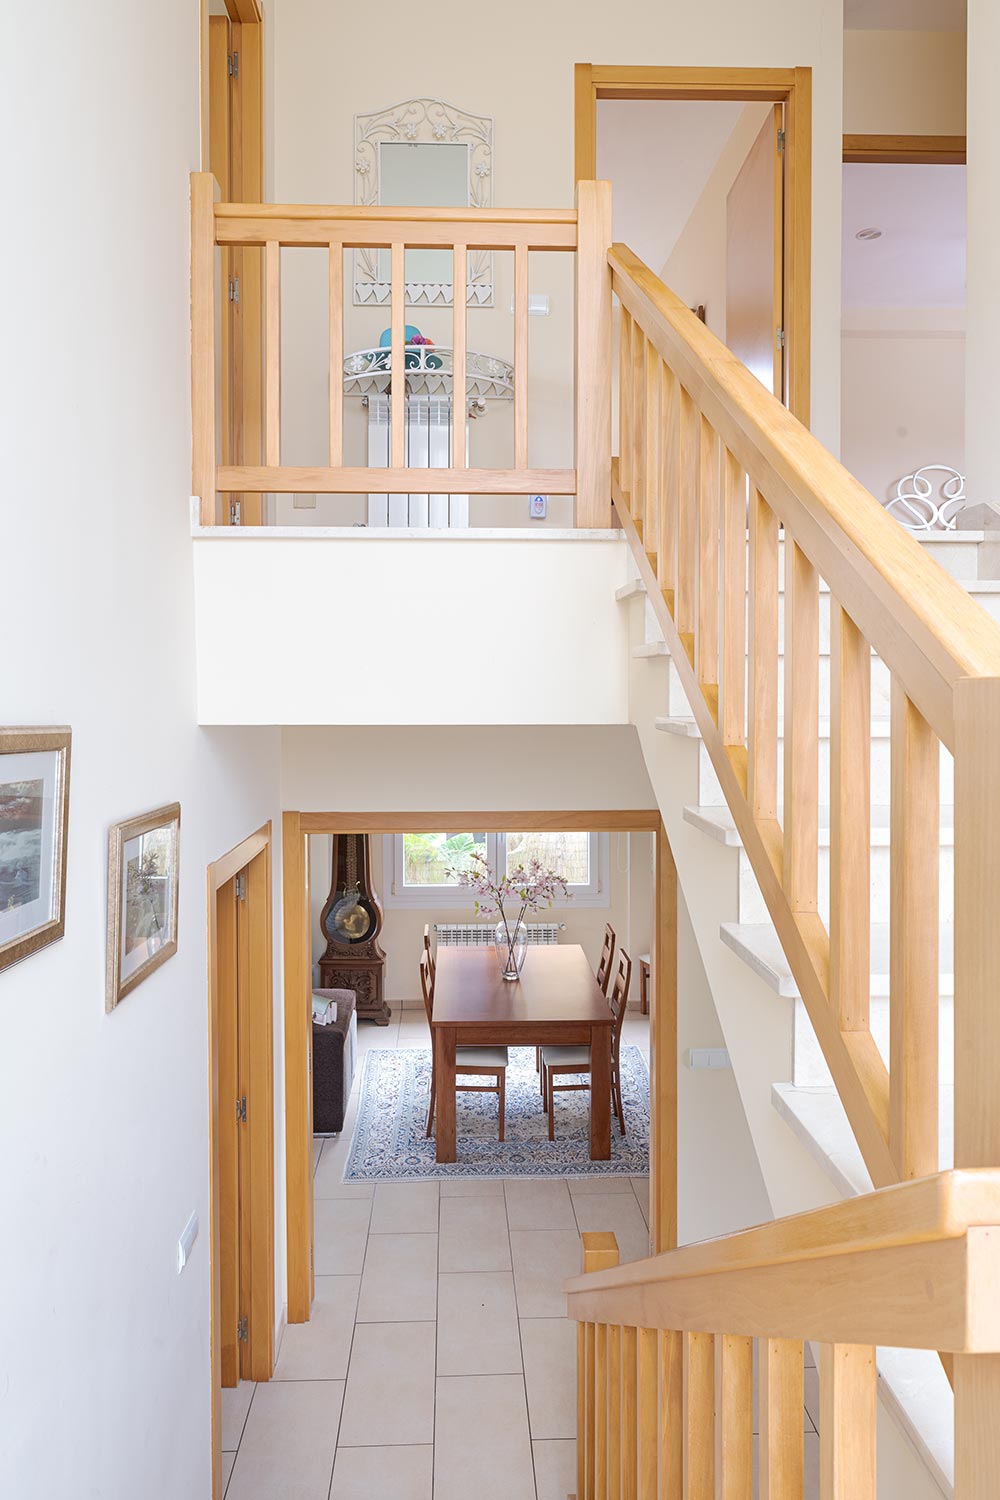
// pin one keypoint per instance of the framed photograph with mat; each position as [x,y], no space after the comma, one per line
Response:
[143,863]
[34,820]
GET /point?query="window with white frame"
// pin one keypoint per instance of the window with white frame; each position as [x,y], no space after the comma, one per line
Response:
[421,869]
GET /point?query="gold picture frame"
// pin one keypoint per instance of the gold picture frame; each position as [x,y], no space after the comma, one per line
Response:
[34,824]
[143,886]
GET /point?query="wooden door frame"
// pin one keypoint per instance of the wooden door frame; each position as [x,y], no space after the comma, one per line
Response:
[914,150]
[298,964]
[254,854]
[791,87]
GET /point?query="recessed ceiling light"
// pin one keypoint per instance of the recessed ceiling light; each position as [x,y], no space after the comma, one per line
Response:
[868,234]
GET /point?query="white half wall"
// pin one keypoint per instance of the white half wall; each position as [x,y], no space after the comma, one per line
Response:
[454,628]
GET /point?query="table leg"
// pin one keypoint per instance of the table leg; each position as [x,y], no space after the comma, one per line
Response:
[600,1093]
[444,1058]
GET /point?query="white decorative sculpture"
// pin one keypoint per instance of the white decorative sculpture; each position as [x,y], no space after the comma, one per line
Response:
[915,508]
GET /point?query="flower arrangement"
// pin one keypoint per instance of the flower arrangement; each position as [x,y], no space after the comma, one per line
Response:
[526,888]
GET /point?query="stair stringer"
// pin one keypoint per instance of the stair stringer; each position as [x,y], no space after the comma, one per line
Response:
[758,1028]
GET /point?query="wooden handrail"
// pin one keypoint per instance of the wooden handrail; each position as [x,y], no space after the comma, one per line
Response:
[916,616]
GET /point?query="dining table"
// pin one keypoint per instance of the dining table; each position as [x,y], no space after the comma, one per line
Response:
[556,1001]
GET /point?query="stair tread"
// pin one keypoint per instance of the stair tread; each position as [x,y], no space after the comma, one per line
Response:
[758,945]
[630,590]
[685,725]
[651,648]
[718,823]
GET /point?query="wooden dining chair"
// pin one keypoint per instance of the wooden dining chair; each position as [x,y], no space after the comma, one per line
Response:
[470,1062]
[603,978]
[558,1062]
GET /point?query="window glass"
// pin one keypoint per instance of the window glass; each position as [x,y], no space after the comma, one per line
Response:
[566,853]
[428,857]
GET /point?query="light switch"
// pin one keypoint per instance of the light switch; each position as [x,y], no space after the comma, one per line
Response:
[538,507]
[708,1057]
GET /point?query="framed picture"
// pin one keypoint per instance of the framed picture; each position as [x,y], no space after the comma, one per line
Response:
[34,817]
[143,859]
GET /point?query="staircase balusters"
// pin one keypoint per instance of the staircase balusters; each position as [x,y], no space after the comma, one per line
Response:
[687,524]
[637,405]
[651,453]
[762,745]
[847,1399]
[780,1399]
[801,727]
[666,560]
[733,1417]
[336,357]
[850,821]
[707,637]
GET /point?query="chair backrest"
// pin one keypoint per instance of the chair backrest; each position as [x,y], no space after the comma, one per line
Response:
[427,949]
[427,984]
[607,955]
[618,999]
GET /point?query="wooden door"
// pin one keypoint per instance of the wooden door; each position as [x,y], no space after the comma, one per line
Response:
[229,1128]
[754,258]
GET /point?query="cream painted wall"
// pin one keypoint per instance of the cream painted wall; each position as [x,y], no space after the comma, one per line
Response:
[519,69]
[629,910]
[982,238]
[465,628]
[903,372]
[104,1348]
[696,267]
[904,83]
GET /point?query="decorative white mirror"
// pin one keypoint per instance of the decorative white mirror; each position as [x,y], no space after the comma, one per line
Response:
[430,153]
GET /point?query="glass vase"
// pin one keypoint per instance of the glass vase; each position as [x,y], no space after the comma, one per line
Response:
[511,945]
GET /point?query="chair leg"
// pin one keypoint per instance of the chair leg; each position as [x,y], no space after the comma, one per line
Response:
[619,1106]
[502,1091]
[552,1107]
[544,1079]
[430,1112]
[538,1059]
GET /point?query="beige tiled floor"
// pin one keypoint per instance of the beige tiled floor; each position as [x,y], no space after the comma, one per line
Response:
[438,1363]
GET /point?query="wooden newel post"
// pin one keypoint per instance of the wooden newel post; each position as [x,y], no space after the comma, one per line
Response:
[593,355]
[600,1253]
[203,456]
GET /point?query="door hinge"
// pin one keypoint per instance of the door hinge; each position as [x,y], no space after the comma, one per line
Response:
[241,882]
[234,289]
[781,140]
[241,1109]
[235,516]
[779,339]
[234,65]
[242,1331]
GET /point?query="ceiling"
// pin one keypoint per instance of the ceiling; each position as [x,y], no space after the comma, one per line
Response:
[659,154]
[904,15]
[920,259]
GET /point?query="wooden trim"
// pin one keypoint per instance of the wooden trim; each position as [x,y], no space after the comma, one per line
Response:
[412,215]
[594,820]
[253,854]
[593,355]
[248,11]
[298,1066]
[322,481]
[376,232]
[938,150]
[663,1054]
[791,87]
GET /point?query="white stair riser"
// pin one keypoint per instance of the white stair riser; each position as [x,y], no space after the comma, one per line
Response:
[753,909]
[809,1070]
[710,792]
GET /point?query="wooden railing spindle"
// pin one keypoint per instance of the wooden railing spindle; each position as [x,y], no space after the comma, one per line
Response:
[459,379]
[671,1398]
[914,861]
[801,721]
[648,1424]
[733,684]
[666,560]
[699,1416]
[762,747]
[782,1447]
[336,285]
[687,522]
[630,1434]
[625,405]
[203,454]
[583,1434]
[521,356]
[707,639]
[272,379]
[637,407]
[614,1412]
[734,1417]
[601,1412]
[651,453]
[397,331]
[847,1403]
[850,821]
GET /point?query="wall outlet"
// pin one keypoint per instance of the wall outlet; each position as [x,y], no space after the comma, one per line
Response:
[538,507]
[186,1242]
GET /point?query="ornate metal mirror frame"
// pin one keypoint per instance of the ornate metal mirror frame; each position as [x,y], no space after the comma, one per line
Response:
[422,122]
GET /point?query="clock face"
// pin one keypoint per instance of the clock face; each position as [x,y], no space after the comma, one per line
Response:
[349,920]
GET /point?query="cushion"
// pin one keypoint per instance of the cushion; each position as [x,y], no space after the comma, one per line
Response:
[480,1057]
[567,1057]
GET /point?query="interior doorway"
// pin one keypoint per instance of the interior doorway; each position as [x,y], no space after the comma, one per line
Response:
[241,1124]
[737,174]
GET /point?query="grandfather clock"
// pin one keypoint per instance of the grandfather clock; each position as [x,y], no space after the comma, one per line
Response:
[351,921]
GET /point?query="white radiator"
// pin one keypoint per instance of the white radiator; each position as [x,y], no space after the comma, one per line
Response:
[428,446]
[482,934]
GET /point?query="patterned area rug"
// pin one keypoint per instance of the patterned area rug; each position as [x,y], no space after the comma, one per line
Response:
[389,1141]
